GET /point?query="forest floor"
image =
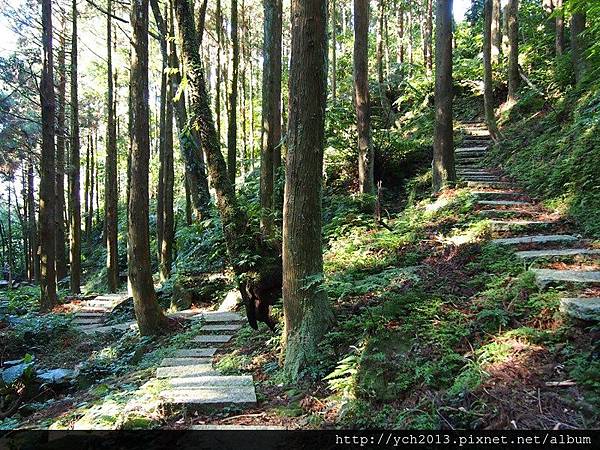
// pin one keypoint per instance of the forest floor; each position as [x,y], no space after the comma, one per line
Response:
[436,326]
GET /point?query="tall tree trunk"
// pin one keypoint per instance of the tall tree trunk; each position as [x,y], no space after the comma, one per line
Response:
[271,109]
[379,38]
[9,238]
[496,31]
[168,231]
[409,30]
[110,185]
[232,123]
[429,37]
[93,176]
[577,44]
[333,50]
[559,40]
[34,264]
[61,256]
[488,92]
[25,221]
[400,32]
[47,167]
[86,187]
[366,182]
[259,283]
[219,30]
[386,107]
[443,146]
[514,77]
[306,311]
[75,202]
[149,315]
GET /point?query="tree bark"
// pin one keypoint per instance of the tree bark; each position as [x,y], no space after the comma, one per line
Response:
[577,44]
[110,189]
[366,182]
[429,37]
[61,256]
[47,215]
[488,91]
[149,315]
[400,48]
[307,313]
[34,264]
[333,50]
[559,40]
[514,78]
[259,281]
[496,31]
[271,110]
[444,171]
[74,199]
[233,94]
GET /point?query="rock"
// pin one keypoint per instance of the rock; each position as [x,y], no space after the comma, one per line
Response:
[212,339]
[221,317]
[545,277]
[195,353]
[556,253]
[201,288]
[540,239]
[167,362]
[211,396]
[185,371]
[581,308]
[100,417]
[56,376]
[221,327]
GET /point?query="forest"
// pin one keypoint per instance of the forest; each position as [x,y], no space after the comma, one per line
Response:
[299,215]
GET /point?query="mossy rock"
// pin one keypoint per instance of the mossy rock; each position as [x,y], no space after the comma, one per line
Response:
[203,288]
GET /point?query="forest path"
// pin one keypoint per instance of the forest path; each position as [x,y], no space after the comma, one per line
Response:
[185,379]
[544,241]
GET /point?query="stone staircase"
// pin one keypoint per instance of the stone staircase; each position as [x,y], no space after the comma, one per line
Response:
[189,376]
[515,216]
[92,314]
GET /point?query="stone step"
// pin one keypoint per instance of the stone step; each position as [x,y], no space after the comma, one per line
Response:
[112,297]
[222,317]
[540,239]
[212,338]
[221,327]
[473,149]
[507,225]
[236,428]
[497,193]
[532,254]
[503,213]
[88,314]
[196,370]
[210,396]
[583,308]
[93,310]
[545,277]
[502,203]
[195,353]
[478,133]
[92,321]
[211,381]
[169,362]
[490,184]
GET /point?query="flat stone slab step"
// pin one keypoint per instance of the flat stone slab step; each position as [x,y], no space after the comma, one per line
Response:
[581,308]
[500,213]
[221,327]
[490,184]
[212,338]
[507,225]
[169,362]
[497,193]
[531,254]
[236,427]
[503,203]
[211,381]
[195,353]
[540,239]
[186,371]
[222,317]
[544,277]
[92,321]
[214,396]
[88,314]
[475,148]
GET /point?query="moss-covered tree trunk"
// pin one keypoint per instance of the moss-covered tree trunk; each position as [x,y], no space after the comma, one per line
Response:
[559,28]
[306,310]
[47,167]
[149,315]
[578,20]
[259,281]
[233,95]
[444,171]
